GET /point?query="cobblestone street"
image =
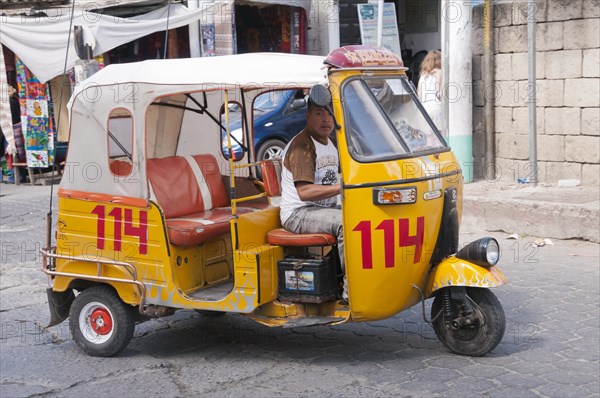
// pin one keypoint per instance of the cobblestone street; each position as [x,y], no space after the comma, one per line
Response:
[551,346]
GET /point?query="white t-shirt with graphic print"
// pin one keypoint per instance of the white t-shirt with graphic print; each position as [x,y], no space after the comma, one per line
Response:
[305,159]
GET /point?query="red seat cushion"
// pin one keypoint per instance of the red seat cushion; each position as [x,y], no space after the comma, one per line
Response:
[192,195]
[271,176]
[281,237]
[186,185]
[193,229]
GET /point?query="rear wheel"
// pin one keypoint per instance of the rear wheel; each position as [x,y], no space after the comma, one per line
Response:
[474,335]
[270,149]
[101,324]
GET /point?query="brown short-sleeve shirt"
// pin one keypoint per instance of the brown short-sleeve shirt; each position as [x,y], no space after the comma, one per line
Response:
[300,158]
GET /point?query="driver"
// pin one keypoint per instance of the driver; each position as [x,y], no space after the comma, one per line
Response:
[311,182]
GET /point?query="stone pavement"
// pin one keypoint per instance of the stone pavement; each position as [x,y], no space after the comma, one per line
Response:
[551,347]
[547,210]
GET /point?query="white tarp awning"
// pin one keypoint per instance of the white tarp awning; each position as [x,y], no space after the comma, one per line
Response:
[41,42]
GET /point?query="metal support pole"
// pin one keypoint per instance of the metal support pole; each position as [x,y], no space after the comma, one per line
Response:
[531,97]
[489,91]
[445,68]
[380,6]
[333,26]
[456,15]
[194,32]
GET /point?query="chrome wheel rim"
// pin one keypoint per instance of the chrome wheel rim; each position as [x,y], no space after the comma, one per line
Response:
[96,323]
[273,152]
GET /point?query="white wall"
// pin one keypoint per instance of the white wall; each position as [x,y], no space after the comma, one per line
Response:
[423,41]
[323,20]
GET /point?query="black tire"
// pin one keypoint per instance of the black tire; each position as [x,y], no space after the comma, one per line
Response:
[114,322]
[211,314]
[471,340]
[270,149]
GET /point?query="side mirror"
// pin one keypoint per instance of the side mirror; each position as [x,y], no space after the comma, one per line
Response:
[320,96]
[297,104]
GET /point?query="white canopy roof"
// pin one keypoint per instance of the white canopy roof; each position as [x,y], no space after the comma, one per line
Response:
[140,88]
[253,70]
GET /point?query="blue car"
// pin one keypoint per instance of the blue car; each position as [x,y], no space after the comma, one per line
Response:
[278,117]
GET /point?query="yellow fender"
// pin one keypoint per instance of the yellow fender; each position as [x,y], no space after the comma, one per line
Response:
[453,271]
[129,293]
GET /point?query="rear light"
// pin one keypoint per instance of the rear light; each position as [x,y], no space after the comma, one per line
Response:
[391,196]
[430,195]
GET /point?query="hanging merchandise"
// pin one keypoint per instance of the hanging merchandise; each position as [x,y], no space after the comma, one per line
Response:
[276,28]
[298,31]
[208,39]
[36,122]
[285,45]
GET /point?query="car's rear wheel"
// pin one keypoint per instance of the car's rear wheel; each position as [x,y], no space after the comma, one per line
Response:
[270,149]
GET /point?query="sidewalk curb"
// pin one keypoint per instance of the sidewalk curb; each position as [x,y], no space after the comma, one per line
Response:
[549,212]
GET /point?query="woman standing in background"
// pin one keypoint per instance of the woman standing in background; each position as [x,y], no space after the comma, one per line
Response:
[18,139]
[430,87]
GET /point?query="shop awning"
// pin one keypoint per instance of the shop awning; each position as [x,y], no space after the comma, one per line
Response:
[22,5]
[41,42]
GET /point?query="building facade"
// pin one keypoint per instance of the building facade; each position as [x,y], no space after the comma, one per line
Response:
[567,89]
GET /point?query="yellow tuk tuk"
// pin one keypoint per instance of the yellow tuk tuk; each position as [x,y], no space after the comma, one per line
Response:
[154,215]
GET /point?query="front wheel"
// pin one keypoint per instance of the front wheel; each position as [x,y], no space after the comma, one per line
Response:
[101,324]
[473,335]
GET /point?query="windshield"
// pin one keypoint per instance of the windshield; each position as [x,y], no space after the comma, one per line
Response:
[384,121]
[269,101]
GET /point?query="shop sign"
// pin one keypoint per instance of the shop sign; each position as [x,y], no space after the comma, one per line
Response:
[363,56]
[367,19]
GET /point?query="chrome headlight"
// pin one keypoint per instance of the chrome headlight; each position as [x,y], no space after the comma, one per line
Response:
[492,252]
[484,252]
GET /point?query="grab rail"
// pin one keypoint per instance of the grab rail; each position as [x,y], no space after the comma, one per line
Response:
[50,252]
[235,200]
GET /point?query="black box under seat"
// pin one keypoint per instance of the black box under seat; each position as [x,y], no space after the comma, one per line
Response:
[307,279]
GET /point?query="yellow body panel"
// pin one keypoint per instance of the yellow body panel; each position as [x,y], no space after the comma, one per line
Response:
[84,233]
[251,238]
[91,230]
[203,265]
[129,293]
[277,313]
[388,247]
[453,271]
